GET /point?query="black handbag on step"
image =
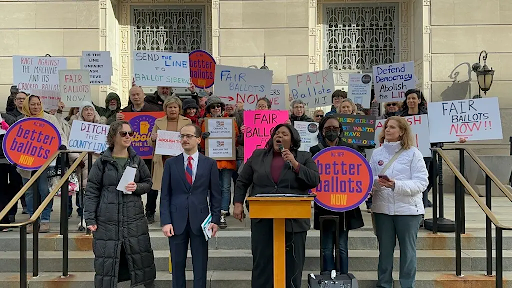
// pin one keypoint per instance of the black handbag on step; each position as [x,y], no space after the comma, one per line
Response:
[331,279]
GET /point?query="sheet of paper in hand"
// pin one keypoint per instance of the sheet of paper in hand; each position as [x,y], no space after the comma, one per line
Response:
[128,176]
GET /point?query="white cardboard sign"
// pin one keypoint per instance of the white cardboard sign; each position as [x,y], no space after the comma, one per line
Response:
[360,88]
[472,119]
[308,132]
[75,87]
[161,69]
[99,65]
[220,148]
[391,81]
[37,72]
[168,143]
[238,84]
[420,132]
[277,97]
[50,99]
[314,88]
[86,136]
[220,127]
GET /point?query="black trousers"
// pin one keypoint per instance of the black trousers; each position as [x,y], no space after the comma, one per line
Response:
[263,255]
[11,183]
[152,194]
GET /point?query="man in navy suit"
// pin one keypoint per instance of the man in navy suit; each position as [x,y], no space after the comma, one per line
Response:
[189,180]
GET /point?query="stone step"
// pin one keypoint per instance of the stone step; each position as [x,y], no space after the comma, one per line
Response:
[241,260]
[241,279]
[359,239]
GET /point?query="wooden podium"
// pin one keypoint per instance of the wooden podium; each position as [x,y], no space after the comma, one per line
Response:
[279,209]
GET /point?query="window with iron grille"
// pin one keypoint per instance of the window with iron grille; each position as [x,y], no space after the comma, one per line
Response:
[359,36]
[179,29]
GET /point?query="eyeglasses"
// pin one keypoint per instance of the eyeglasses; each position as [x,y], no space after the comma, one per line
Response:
[331,128]
[215,106]
[187,136]
[124,133]
[320,116]
[390,104]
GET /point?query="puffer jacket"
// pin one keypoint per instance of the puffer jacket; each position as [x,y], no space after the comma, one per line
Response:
[411,179]
[121,223]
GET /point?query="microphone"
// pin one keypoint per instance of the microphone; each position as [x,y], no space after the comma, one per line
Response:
[281,148]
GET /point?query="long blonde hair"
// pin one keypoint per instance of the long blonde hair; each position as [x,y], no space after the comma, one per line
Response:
[406,139]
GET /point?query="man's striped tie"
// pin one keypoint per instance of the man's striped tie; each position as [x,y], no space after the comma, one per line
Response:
[188,170]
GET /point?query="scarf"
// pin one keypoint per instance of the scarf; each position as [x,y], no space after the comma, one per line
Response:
[194,118]
[26,109]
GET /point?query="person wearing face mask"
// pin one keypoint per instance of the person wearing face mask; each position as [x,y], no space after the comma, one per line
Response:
[172,121]
[112,107]
[330,129]
[399,179]
[278,169]
[216,108]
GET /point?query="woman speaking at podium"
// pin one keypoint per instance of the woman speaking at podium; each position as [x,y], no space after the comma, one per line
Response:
[278,169]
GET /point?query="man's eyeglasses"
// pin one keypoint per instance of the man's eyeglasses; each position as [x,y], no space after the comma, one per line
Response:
[187,136]
[319,116]
[124,133]
[390,104]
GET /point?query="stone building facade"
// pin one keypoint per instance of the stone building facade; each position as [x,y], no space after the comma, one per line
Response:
[442,37]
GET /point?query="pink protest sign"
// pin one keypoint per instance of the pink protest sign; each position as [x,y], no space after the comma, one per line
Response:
[258,127]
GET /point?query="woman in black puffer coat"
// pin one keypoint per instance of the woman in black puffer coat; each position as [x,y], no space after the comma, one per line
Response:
[121,243]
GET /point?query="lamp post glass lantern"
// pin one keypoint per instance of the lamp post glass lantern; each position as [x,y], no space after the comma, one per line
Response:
[484,74]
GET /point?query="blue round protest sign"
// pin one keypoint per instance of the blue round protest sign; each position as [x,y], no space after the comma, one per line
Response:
[345,179]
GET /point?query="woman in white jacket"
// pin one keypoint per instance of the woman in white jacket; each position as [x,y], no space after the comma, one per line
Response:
[397,200]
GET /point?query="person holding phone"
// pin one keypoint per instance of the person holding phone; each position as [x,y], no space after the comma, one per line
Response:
[400,177]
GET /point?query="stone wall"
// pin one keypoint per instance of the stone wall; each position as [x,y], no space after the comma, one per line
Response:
[278,28]
[459,31]
[36,28]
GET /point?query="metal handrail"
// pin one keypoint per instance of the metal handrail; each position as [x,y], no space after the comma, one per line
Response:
[488,172]
[48,198]
[486,208]
[471,191]
[14,200]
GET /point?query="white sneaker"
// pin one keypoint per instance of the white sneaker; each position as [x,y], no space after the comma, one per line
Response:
[81,225]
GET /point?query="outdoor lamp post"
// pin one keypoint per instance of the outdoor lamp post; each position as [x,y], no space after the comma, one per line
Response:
[264,67]
[483,73]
